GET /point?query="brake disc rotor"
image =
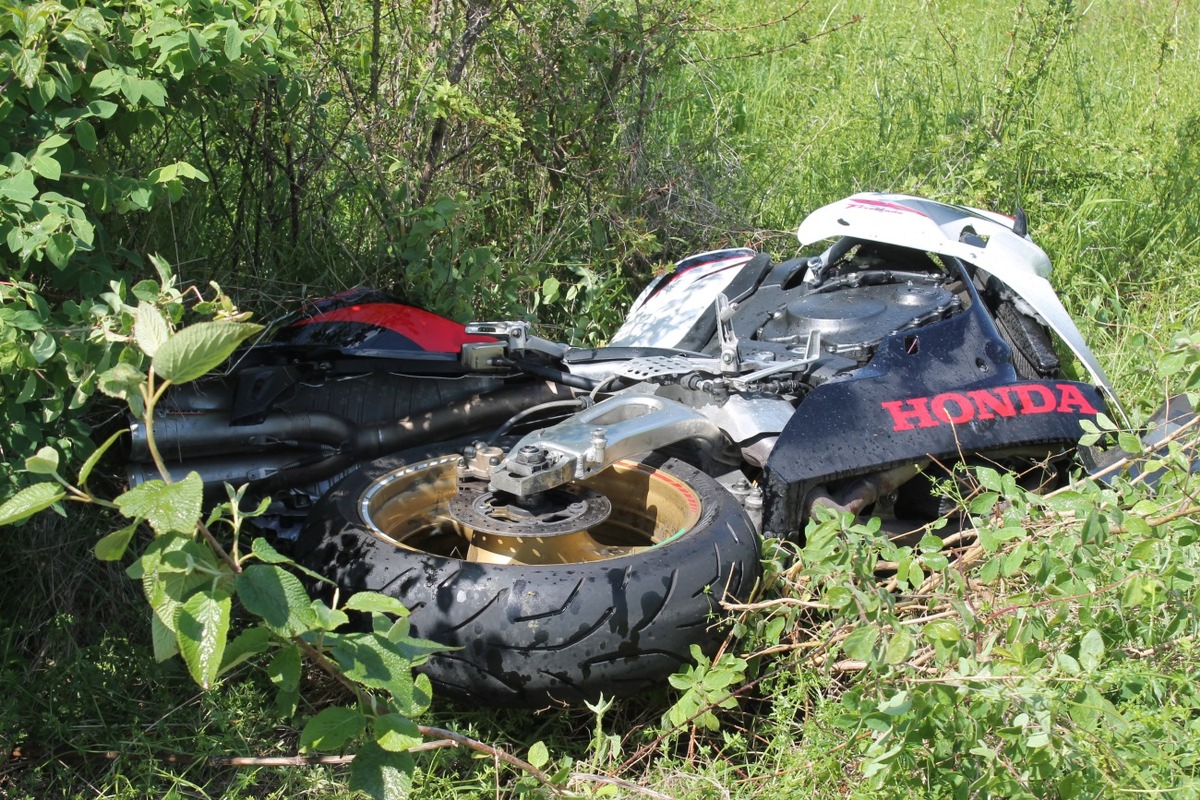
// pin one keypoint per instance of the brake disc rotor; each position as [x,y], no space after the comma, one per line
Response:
[555,512]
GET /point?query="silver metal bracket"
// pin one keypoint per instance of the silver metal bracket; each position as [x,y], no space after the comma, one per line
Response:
[594,439]
[730,363]
[812,352]
[515,337]
[514,334]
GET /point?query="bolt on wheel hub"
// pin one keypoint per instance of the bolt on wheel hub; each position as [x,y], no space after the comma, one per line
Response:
[555,512]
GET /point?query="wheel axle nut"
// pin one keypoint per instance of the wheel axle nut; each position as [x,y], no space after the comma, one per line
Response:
[531,455]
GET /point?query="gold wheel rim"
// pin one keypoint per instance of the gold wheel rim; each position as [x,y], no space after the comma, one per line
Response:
[408,508]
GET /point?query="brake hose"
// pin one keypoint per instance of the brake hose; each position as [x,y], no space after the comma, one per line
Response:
[546,373]
[511,422]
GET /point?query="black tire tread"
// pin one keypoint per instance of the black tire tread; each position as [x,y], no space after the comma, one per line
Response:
[534,635]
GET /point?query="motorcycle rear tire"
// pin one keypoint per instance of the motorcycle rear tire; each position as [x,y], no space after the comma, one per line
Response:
[538,634]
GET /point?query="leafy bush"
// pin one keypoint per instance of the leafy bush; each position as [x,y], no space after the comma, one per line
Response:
[1043,651]
[412,147]
[284,148]
[82,85]
[191,578]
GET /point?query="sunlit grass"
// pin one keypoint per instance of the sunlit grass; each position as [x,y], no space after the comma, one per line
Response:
[1102,148]
[1090,124]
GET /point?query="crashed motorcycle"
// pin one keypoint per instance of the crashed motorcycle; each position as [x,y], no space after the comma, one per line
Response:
[570,520]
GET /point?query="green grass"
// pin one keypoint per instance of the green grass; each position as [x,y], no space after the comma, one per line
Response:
[1091,123]
[1100,145]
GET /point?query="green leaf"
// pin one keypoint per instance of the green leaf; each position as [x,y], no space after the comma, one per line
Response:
[1067,664]
[28,390]
[376,662]
[1133,594]
[147,291]
[168,507]
[233,41]
[374,601]
[187,171]
[284,672]
[398,733]
[838,596]
[20,188]
[276,596]
[989,478]
[896,705]
[1129,442]
[135,89]
[43,462]
[152,558]
[329,619]
[550,288]
[27,65]
[202,627]
[539,754]
[52,143]
[931,543]
[104,109]
[59,249]
[113,546]
[195,46]
[46,166]
[1011,563]
[983,503]
[381,775]
[935,562]
[860,644]
[30,501]
[267,553]
[263,550]
[422,694]
[25,319]
[1091,650]
[197,349]
[170,569]
[44,347]
[163,267]
[992,538]
[163,639]
[332,729]
[124,382]
[149,328]
[899,647]
[84,231]
[85,471]
[85,134]
[245,646]
[942,630]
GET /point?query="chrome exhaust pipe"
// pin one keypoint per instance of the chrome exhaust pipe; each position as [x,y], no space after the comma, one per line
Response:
[217,471]
[181,436]
[296,449]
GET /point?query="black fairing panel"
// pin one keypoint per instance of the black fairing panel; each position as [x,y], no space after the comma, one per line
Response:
[945,389]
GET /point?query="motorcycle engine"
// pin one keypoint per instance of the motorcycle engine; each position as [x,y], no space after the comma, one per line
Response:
[853,319]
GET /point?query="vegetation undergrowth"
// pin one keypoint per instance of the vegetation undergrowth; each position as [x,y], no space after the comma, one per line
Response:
[285,149]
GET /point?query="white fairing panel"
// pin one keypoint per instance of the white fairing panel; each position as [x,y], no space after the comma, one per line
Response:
[668,308]
[934,227]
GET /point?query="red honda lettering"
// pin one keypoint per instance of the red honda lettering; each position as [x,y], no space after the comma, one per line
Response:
[918,411]
[966,411]
[1042,404]
[958,408]
[991,402]
[1070,398]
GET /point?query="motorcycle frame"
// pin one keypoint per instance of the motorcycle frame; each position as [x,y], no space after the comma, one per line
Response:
[839,430]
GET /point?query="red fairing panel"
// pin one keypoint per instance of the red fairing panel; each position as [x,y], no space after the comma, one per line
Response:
[426,330]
